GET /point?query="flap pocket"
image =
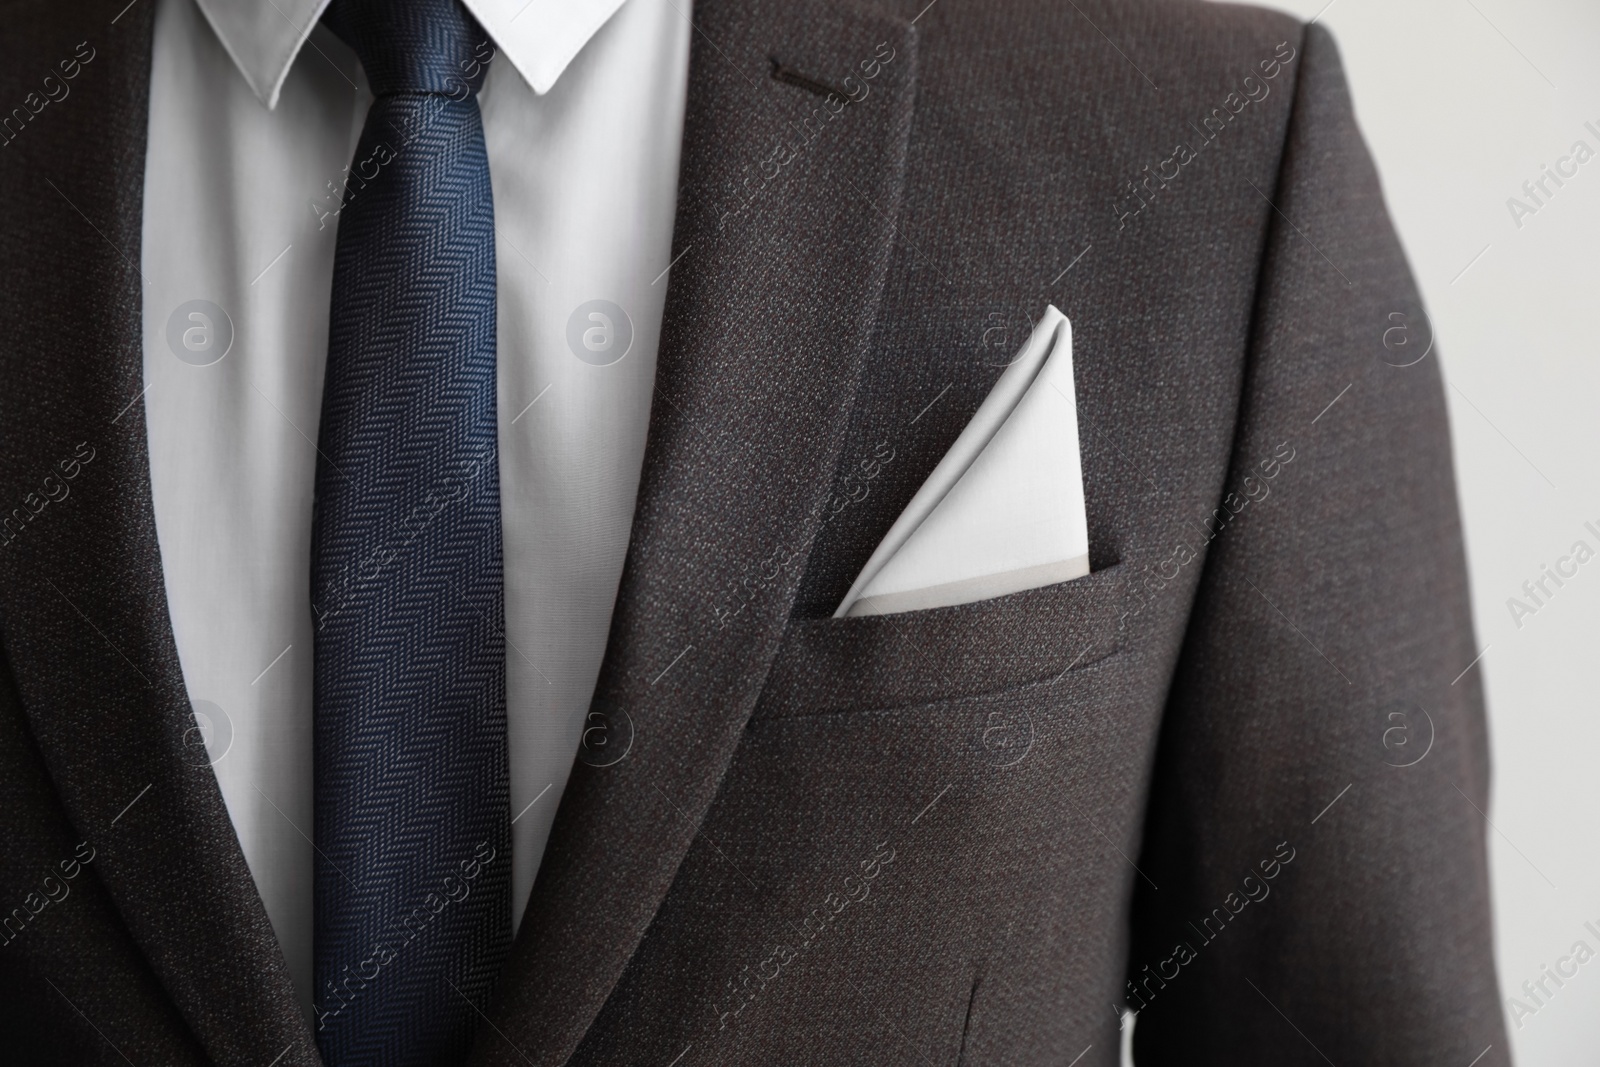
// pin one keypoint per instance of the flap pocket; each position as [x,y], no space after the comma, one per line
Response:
[881,661]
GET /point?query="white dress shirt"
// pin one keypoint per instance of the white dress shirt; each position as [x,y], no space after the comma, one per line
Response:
[250,136]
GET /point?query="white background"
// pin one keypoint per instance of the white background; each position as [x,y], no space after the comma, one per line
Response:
[1461,102]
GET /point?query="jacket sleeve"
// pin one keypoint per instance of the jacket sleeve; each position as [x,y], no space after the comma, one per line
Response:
[1316,821]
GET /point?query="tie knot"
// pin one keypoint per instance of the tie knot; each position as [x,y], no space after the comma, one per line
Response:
[431,47]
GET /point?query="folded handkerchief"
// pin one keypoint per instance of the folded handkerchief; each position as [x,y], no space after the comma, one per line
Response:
[1003,511]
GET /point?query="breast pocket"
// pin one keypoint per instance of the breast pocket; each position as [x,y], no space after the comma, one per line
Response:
[879,662]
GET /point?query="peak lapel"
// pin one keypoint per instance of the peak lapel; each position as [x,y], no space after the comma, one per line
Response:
[82,602]
[785,222]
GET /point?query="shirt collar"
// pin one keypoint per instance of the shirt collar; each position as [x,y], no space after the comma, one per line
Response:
[539,37]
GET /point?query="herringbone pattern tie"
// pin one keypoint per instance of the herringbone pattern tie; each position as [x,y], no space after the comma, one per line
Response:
[412,895]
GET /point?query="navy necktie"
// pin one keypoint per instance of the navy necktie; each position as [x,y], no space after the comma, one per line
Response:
[412,885]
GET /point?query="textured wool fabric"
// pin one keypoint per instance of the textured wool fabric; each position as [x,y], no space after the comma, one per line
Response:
[99,746]
[967,835]
[413,823]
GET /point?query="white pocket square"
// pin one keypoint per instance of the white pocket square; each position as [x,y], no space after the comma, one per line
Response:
[1003,511]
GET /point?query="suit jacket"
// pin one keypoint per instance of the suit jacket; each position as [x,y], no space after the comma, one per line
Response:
[963,835]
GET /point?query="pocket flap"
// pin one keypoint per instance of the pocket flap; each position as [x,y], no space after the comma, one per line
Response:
[879,661]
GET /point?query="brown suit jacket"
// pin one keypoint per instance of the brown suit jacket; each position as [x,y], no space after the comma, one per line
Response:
[1234,778]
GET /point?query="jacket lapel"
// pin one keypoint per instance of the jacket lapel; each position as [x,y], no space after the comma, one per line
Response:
[785,223]
[82,600]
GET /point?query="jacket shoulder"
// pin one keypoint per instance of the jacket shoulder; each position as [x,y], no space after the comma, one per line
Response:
[1160,53]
